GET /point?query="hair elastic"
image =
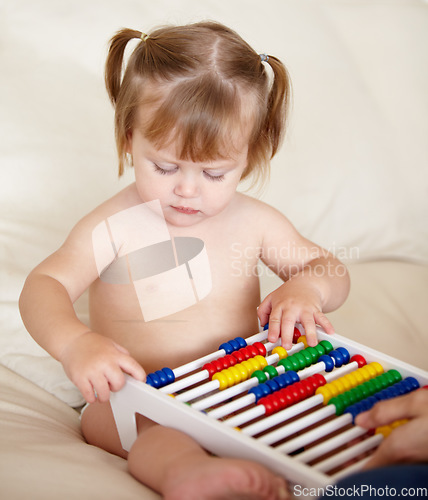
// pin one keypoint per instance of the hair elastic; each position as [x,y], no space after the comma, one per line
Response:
[264,57]
[144,36]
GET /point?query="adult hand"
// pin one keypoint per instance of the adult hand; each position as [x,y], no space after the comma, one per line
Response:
[407,442]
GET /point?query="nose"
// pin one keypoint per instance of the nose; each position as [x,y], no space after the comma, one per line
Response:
[187,186]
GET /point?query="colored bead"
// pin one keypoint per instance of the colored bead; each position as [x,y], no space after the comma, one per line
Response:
[169,375]
[280,351]
[222,379]
[239,356]
[360,360]
[266,327]
[317,351]
[271,371]
[327,345]
[241,342]
[296,335]
[337,357]
[260,375]
[261,349]
[345,354]
[302,339]
[227,348]
[328,362]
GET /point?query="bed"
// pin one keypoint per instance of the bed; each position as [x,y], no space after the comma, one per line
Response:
[352,176]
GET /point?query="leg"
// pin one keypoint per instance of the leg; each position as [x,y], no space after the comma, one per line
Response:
[173,464]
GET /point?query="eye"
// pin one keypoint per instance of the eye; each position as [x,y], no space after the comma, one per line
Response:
[164,171]
[214,177]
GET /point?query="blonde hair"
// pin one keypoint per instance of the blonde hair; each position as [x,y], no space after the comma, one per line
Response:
[194,80]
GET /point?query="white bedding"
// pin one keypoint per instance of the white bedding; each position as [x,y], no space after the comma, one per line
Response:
[352,176]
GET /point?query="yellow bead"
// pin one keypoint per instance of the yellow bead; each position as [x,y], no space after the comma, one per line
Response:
[339,386]
[358,376]
[236,374]
[222,379]
[248,367]
[242,371]
[347,383]
[378,367]
[325,393]
[385,430]
[302,338]
[261,360]
[280,351]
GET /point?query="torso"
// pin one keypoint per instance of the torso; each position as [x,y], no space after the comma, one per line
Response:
[232,241]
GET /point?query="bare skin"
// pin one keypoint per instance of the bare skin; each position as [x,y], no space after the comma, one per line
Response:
[237,231]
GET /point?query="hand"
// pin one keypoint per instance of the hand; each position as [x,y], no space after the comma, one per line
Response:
[407,442]
[295,301]
[96,365]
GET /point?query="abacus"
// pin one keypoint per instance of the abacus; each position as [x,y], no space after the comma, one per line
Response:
[292,411]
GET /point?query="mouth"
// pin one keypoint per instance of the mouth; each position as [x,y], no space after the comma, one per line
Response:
[186,210]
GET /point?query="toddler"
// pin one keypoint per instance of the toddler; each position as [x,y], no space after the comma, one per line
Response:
[171,261]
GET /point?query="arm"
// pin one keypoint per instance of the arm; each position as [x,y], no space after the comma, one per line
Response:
[91,361]
[314,282]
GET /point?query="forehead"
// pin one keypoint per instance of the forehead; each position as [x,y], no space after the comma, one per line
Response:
[196,130]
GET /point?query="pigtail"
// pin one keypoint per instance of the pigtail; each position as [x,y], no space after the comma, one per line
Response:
[114,63]
[279,100]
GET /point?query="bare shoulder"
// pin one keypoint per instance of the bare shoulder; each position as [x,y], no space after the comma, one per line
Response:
[262,214]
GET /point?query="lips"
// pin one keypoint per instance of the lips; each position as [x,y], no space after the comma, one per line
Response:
[186,210]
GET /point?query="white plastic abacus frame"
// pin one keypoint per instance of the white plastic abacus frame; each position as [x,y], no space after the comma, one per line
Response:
[225,440]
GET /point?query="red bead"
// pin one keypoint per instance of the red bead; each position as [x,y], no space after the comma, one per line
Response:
[209,367]
[238,355]
[318,380]
[296,335]
[230,360]
[253,351]
[359,359]
[261,349]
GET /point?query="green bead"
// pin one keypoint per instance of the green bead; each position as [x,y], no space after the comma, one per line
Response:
[260,376]
[307,356]
[300,360]
[395,374]
[286,363]
[314,352]
[327,345]
[271,371]
[320,350]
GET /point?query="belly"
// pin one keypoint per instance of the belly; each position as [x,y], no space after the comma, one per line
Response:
[176,338]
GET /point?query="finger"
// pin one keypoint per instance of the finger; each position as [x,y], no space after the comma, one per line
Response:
[385,412]
[87,391]
[308,323]
[132,367]
[101,387]
[274,328]
[322,320]
[287,330]
[264,310]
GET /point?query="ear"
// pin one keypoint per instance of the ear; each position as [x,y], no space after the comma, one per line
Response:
[128,147]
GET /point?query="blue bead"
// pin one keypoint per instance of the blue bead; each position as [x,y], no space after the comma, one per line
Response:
[242,342]
[155,382]
[162,377]
[257,391]
[273,385]
[294,376]
[235,344]
[345,353]
[329,363]
[149,380]
[169,374]
[338,358]
[266,327]
[226,347]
